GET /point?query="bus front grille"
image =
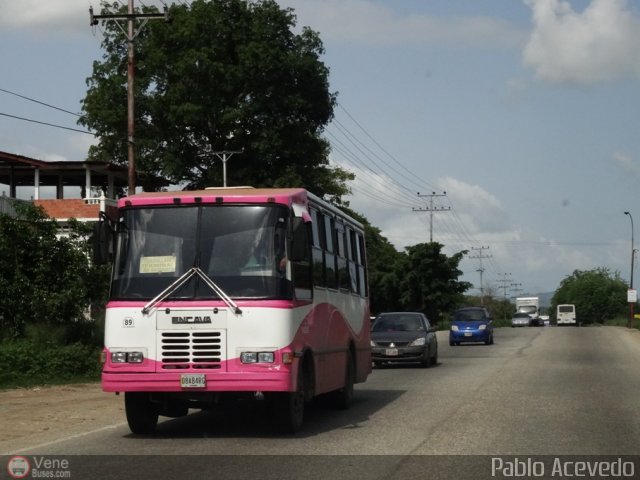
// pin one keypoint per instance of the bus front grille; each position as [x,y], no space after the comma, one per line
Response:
[191,350]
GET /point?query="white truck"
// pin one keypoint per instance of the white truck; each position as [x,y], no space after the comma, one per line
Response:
[531,306]
[566,315]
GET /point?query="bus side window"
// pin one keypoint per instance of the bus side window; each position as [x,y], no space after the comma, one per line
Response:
[329,256]
[301,259]
[318,249]
[351,255]
[362,270]
[343,269]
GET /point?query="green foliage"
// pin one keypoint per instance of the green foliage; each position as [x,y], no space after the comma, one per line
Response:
[429,280]
[598,295]
[45,280]
[226,75]
[383,263]
[27,362]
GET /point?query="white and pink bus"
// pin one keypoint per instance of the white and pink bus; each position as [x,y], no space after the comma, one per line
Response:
[218,293]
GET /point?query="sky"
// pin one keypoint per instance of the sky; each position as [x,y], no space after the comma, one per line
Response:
[506,128]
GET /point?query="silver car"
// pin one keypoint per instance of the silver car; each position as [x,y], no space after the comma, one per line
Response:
[520,319]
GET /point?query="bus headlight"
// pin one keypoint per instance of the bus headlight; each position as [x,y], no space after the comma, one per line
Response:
[257,357]
[135,357]
[118,357]
[127,357]
[265,357]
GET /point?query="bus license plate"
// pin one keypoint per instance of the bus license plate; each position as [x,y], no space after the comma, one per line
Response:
[193,380]
[391,352]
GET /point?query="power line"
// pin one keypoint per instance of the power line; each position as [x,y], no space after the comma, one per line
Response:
[39,102]
[45,123]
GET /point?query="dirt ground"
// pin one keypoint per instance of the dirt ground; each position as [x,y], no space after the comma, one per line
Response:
[36,416]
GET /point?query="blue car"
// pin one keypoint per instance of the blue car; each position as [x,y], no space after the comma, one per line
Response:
[471,324]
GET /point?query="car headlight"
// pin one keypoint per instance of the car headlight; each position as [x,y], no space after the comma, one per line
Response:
[482,327]
[418,342]
[454,328]
[373,344]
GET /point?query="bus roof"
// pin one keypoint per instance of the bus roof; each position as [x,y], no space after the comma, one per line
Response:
[213,195]
[284,196]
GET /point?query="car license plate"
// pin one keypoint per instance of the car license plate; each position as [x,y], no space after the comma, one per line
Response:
[193,380]
[391,352]
[468,334]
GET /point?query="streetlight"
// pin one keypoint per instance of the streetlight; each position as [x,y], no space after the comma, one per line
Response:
[633,254]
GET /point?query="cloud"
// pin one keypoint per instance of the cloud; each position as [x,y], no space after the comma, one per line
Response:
[597,45]
[363,22]
[479,210]
[625,163]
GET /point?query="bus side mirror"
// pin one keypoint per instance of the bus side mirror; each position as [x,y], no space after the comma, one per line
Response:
[299,241]
[102,239]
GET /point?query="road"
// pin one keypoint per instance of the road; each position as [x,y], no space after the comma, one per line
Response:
[536,391]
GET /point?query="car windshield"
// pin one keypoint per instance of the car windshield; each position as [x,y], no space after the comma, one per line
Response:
[398,323]
[469,315]
[521,315]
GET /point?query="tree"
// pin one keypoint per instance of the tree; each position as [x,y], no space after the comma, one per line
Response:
[45,279]
[384,271]
[598,295]
[225,75]
[429,281]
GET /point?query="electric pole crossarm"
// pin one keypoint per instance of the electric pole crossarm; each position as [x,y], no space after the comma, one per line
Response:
[431,209]
[94,19]
[480,256]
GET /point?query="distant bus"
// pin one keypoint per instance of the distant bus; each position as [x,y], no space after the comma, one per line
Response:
[239,292]
[566,315]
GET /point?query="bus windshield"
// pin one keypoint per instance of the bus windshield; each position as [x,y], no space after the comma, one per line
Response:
[240,247]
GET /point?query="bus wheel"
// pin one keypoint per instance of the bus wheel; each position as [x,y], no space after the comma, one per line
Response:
[343,397]
[142,413]
[289,406]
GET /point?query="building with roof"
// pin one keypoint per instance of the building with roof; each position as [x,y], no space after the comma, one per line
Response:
[64,189]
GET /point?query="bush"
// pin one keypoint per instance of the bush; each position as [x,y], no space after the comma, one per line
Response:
[27,362]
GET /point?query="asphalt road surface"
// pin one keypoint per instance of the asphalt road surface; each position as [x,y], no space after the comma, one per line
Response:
[536,391]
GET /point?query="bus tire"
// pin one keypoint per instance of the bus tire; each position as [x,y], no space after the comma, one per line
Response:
[142,413]
[289,406]
[343,397]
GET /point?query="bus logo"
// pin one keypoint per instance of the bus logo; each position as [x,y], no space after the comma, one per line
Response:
[190,319]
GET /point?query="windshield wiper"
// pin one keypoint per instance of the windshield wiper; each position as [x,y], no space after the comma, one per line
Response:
[185,277]
[182,279]
[211,284]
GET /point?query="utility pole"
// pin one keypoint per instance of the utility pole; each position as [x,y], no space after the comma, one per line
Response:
[431,208]
[131,33]
[480,256]
[224,156]
[515,288]
[505,283]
